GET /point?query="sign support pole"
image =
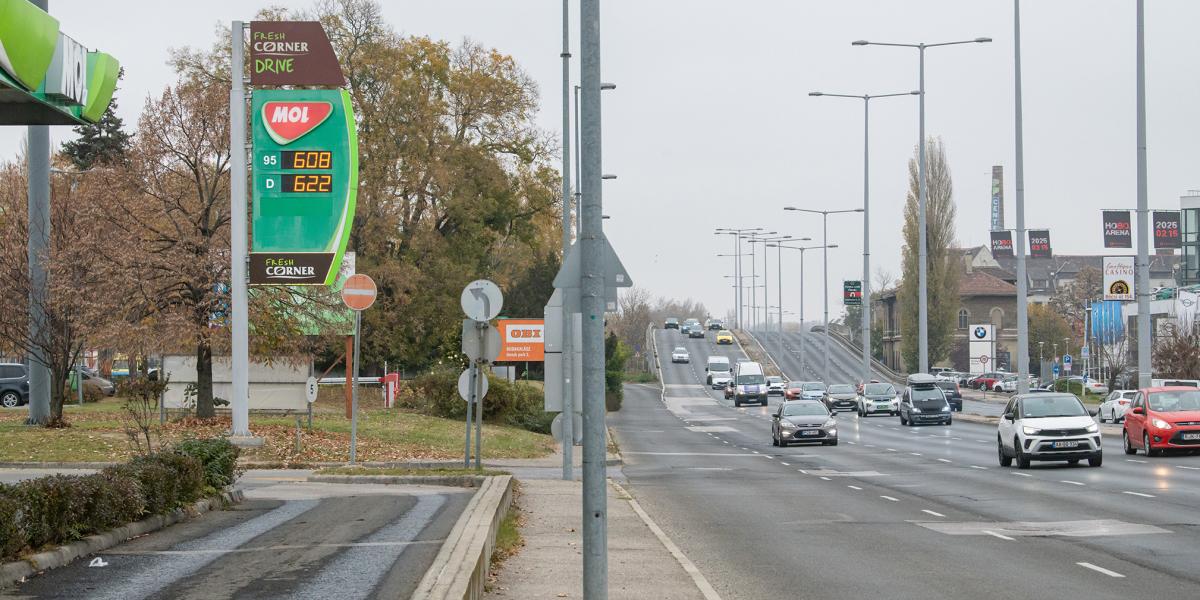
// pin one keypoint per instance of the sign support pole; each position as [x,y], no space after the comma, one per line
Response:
[1022,282]
[354,389]
[479,374]
[239,306]
[470,407]
[568,447]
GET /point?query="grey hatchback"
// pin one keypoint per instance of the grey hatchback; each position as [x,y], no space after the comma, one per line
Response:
[14,385]
[803,421]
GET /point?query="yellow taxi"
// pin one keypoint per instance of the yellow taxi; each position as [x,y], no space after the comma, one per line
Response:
[724,336]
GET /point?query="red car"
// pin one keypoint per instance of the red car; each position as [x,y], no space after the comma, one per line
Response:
[988,380]
[1163,418]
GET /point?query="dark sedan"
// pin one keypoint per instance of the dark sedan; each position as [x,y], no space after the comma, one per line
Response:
[841,396]
[803,421]
[953,393]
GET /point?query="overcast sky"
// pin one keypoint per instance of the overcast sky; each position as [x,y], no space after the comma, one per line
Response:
[711,125]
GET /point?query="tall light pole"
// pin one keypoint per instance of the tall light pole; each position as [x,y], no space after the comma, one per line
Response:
[754,276]
[779,283]
[733,277]
[1019,143]
[1143,218]
[737,249]
[922,255]
[578,169]
[825,247]
[763,240]
[825,276]
[866,276]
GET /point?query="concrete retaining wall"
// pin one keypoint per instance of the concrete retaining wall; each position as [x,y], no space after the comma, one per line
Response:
[460,569]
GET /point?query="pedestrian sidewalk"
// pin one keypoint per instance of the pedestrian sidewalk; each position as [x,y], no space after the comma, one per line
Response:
[550,565]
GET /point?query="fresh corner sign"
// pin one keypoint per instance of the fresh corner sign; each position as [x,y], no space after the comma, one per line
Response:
[305,184]
[46,77]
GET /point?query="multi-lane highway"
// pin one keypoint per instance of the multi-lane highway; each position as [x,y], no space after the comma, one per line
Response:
[922,512]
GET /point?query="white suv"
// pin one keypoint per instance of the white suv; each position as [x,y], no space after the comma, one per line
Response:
[1047,427]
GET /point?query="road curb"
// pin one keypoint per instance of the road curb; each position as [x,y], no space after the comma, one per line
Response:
[61,556]
[55,465]
[460,568]
[471,481]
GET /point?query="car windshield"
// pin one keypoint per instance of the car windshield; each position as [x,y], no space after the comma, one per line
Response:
[813,387]
[718,366]
[1175,401]
[774,379]
[946,385]
[795,385]
[934,393]
[841,389]
[680,350]
[879,389]
[800,409]
[1052,406]
[750,379]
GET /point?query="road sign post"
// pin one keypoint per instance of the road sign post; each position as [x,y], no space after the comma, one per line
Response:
[358,293]
[481,302]
[1067,361]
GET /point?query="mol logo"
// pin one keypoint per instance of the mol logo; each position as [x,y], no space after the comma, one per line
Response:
[287,122]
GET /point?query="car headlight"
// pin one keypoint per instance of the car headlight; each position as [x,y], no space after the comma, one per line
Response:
[831,423]
[787,424]
[1031,430]
[1093,428]
[946,408]
[916,410]
[1159,423]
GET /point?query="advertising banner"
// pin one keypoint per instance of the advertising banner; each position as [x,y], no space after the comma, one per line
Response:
[1118,231]
[997,198]
[1002,243]
[982,347]
[852,293]
[521,340]
[1166,229]
[292,53]
[305,181]
[1118,277]
[1039,243]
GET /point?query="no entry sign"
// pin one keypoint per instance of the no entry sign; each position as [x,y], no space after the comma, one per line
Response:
[359,292]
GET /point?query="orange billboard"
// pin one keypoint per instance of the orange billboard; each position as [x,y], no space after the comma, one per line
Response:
[521,340]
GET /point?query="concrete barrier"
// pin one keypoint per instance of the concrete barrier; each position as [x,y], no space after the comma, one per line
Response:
[461,567]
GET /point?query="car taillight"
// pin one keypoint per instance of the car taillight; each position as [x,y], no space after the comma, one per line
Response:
[1123,402]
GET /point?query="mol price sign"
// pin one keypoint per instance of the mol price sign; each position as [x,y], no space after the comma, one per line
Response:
[305,182]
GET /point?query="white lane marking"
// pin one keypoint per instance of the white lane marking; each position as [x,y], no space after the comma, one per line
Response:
[931,512]
[869,445]
[891,450]
[784,464]
[849,442]
[956,439]
[854,487]
[697,577]
[823,478]
[1088,565]
[994,534]
[1134,460]
[982,441]
[944,460]
[889,499]
[915,453]
[1022,474]
[754,451]
[1071,482]
[1138,494]
[978,467]
[1186,467]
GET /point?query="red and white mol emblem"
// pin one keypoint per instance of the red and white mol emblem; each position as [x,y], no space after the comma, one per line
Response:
[287,122]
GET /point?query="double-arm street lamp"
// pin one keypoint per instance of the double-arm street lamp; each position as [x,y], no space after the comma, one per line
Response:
[754,275]
[802,249]
[866,276]
[922,266]
[825,257]
[763,240]
[737,269]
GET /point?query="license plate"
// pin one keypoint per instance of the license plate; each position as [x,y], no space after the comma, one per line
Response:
[883,406]
[1070,444]
[810,432]
[1195,435]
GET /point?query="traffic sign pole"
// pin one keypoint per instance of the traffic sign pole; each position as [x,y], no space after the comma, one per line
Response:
[354,389]
[358,293]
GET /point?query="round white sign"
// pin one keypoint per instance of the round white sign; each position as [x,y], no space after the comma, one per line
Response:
[576,428]
[310,389]
[464,385]
[481,300]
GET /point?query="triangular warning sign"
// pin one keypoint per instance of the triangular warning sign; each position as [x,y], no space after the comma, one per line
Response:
[287,122]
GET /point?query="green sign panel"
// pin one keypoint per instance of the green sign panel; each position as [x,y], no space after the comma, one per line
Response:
[305,182]
[852,293]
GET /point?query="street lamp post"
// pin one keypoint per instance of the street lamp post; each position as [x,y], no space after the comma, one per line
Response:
[764,240]
[922,267]
[754,276]
[866,276]
[825,276]
[737,249]
[802,249]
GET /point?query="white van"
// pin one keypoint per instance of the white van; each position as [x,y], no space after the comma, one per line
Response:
[749,384]
[718,371]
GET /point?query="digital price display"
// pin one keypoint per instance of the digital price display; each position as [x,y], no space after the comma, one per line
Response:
[305,159]
[300,183]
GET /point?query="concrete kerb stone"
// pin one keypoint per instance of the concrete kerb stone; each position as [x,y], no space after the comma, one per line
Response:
[460,568]
[61,556]
[471,481]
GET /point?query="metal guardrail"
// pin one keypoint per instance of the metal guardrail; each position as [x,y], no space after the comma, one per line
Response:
[895,376]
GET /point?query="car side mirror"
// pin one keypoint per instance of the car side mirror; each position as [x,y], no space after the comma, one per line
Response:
[1010,416]
[776,417]
[1137,410]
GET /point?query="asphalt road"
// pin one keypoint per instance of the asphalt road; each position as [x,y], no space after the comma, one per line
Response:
[289,539]
[920,512]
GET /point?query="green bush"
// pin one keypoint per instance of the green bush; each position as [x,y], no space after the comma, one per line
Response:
[12,537]
[218,456]
[167,480]
[518,404]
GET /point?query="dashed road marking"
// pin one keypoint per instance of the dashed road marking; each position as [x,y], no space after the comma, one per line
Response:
[891,450]
[854,487]
[1088,565]
[1134,460]
[978,467]
[945,460]
[999,535]
[1139,494]
[890,499]
[915,453]
[1186,467]
[784,464]
[823,478]
[1022,474]
[1071,482]
[932,512]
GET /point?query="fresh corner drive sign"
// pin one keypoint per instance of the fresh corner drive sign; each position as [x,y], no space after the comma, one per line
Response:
[305,181]
[46,77]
